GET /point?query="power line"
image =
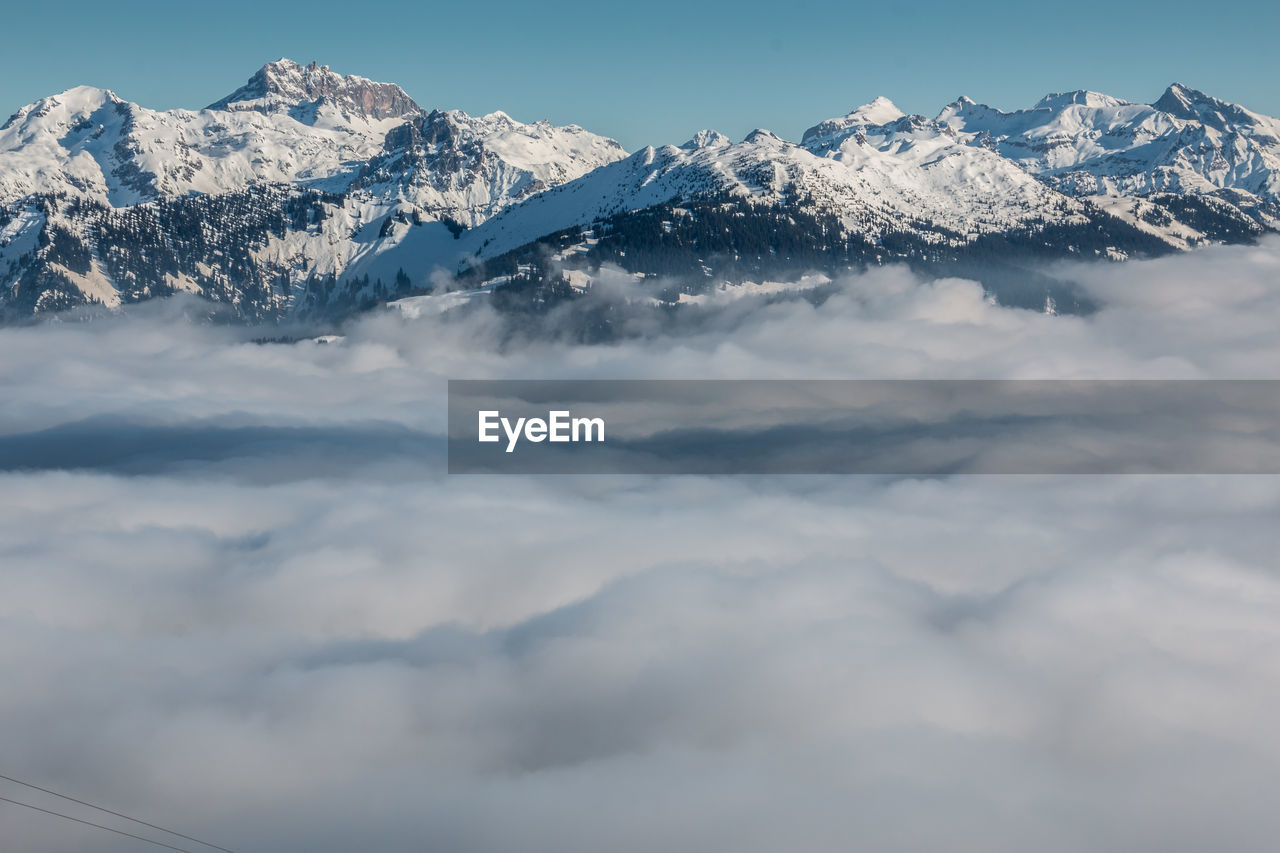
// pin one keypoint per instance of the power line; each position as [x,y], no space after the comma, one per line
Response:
[110,812]
[96,825]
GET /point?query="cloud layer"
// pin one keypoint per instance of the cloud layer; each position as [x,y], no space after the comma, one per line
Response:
[241,599]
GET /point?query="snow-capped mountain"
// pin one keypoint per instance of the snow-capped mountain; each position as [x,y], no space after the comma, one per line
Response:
[306,190]
[872,184]
[911,182]
[84,167]
[288,124]
[1088,143]
[89,143]
[1186,171]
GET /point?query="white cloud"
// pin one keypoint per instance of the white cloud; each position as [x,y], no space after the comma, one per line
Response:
[282,628]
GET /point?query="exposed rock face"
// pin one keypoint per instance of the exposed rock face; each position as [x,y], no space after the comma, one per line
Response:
[468,168]
[284,85]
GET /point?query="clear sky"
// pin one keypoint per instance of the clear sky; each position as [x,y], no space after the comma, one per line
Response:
[654,72]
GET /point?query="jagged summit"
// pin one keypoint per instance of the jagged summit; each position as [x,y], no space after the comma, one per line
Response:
[284,85]
[1189,104]
[1179,98]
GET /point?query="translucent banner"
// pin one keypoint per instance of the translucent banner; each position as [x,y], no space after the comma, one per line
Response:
[894,427]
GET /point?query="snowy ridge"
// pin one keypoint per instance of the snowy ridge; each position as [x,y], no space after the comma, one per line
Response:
[290,124]
[69,160]
[972,170]
[309,190]
[1092,144]
[874,178]
[88,142]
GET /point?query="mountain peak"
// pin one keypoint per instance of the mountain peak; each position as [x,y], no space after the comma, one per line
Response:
[1180,100]
[78,101]
[286,86]
[960,110]
[1078,97]
[1190,104]
[707,139]
[879,111]
[761,135]
[1182,94]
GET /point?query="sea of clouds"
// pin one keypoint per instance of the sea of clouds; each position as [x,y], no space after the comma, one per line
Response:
[239,596]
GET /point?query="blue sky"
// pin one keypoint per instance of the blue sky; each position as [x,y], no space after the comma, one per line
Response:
[654,72]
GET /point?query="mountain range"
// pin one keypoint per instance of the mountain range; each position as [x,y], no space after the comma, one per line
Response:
[308,193]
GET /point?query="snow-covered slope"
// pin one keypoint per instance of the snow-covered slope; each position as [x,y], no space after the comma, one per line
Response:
[309,190]
[921,170]
[908,173]
[89,143]
[1087,143]
[973,170]
[289,124]
[376,162]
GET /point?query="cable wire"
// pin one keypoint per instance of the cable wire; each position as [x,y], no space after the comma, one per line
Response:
[96,825]
[108,811]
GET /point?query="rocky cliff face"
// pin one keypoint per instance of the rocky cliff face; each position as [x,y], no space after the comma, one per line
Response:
[285,85]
